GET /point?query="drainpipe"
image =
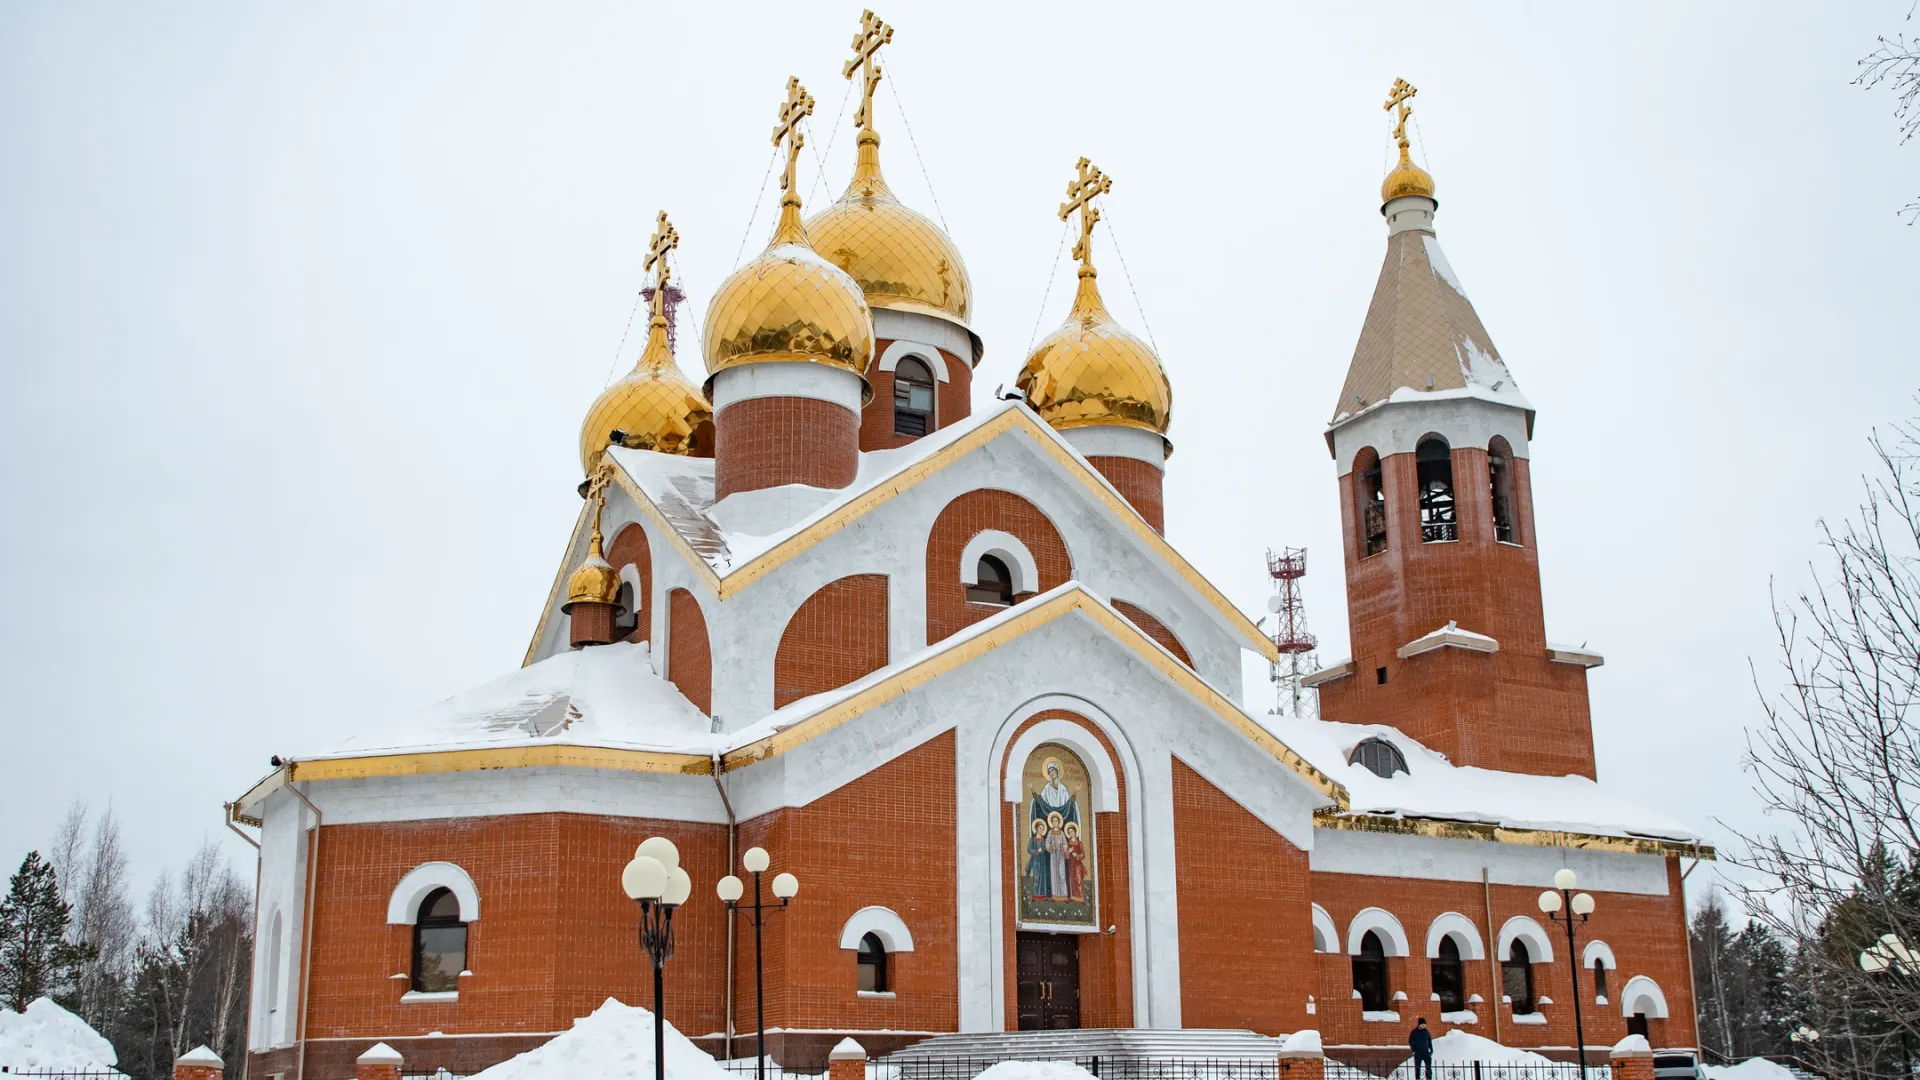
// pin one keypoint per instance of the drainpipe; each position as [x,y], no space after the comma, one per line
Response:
[306,939]
[728,803]
[246,1063]
[1686,935]
[1493,951]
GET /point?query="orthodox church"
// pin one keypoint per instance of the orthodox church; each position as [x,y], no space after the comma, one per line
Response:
[937,661]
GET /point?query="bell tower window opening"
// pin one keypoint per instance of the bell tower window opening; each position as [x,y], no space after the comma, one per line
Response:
[1500,471]
[913,408]
[873,965]
[626,618]
[994,584]
[1433,469]
[439,944]
[1449,977]
[1370,974]
[1600,978]
[1516,976]
[1370,513]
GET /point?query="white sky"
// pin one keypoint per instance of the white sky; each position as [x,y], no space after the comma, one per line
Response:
[300,309]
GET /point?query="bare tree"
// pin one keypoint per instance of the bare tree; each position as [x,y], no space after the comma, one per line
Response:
[1896,62]
[92,869]
[1836,760]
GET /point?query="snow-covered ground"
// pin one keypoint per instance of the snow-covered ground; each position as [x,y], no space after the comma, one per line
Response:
[47,1036]
[1035,1070]
[1750,1069]
[614,1043]
[1461,1048]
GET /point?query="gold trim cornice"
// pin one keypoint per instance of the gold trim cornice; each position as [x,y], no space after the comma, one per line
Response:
[505,757]
[1499,834]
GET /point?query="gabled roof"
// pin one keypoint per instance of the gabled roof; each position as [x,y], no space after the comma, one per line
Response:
[676,493]
[1422,337]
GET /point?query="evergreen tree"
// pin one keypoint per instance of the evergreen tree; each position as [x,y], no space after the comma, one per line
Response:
[36,959]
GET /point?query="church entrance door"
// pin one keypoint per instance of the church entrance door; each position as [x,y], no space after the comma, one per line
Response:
[1049,981]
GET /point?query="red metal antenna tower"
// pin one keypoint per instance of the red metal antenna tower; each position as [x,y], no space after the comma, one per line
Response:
[1290,635]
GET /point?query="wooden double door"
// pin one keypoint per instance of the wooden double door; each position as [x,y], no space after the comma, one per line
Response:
[1049,981]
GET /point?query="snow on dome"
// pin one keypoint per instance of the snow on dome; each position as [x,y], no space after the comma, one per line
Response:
[614,1043]
[49,1038]
[1035,1070]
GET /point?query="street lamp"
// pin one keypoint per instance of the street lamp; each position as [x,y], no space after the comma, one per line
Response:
[657,882]
[1581,904]
[731,889]
[1890,955]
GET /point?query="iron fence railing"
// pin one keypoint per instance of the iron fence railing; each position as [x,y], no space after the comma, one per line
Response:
[64,1074]
[1474,1070]
[1104,1067]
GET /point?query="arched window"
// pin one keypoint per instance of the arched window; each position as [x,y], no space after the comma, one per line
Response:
[439,944]
[626,617]
[1450,977]
[873,965]
[1516,973]
[1370,974]
[994,584]
[912,397]
[1600,978]
[1370,503]
[273,966]
[1379,757]
[1500,469]
[1433,468]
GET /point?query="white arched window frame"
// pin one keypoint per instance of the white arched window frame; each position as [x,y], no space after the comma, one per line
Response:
[1642,995]
[1326,935]
[883,923]
[1393,937]
[1009,550]
[1465,935]
[1598,950]
[274,944]
[936,362]
[1521,928]
[403,907]
[1101,772]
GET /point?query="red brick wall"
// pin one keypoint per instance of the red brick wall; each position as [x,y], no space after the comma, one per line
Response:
[689,655]
[837,635]
[953,401]
[1106,960]
[1155,629]
[1246,922]
[630,549]
[1513,710]
[1140,482]
[1647,935]
[767,442]
[947,608]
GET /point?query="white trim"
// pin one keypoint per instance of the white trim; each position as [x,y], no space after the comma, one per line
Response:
[1522,928]
[1579,657]
[788,378]
[1392,935]
[404,905]
[883,923]
[1601,950]
[1115,441]
[1008,549]
[926,354]
[417,997]
[943,331]
[1100,768]
[1326,935]
[1466,936]
[1638,989]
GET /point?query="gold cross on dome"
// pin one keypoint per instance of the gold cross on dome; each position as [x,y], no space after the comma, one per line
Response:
[797,107]
[1080,192]
[665,239]
[1401,93]
[873,34]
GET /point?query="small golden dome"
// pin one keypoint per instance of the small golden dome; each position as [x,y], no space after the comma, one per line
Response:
[902,261]
[1091,371]
[594,581]
[790,304]
[658,407]
[1406,179]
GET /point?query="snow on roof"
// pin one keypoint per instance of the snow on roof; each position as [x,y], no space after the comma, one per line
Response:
[200,1055]
[1435,788]
[614,1043]
[607,696]
[48,1037]
[1450,634]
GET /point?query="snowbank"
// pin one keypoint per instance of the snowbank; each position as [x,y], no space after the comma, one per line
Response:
[615,1043]
[1035,1070]
[1750,1069]
[1461,1047]
[47,1036]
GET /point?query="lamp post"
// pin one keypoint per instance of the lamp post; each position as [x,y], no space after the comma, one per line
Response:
[1580,904]
[730,888]
[656,881]
[1890,955]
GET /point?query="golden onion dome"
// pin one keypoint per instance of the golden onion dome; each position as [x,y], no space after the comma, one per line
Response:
[790,304]
[1406,179]
[901,260]
[658,407]
[1093,372]
[594,581]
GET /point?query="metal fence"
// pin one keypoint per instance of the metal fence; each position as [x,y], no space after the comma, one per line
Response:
[1475,1070]
[1106,1068]
[65,1074]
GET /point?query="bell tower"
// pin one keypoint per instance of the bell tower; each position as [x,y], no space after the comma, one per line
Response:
[1430,440]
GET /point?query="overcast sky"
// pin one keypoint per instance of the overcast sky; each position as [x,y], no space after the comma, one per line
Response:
[301,307]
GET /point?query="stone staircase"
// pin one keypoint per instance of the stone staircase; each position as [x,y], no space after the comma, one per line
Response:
[1107,1044]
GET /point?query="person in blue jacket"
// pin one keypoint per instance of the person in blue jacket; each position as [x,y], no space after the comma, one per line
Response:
[1421,1042]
